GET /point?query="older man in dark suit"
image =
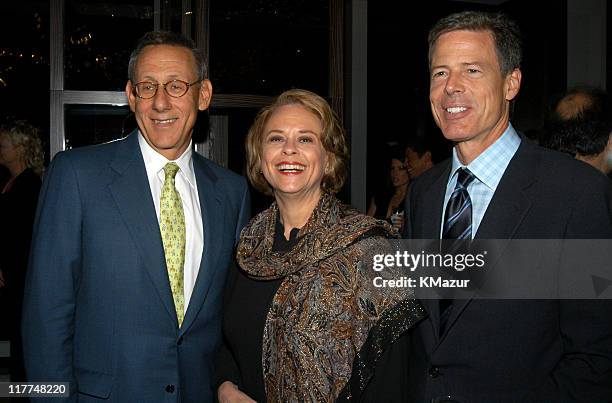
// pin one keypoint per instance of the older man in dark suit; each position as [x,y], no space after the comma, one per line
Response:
[131,247]
[499,186]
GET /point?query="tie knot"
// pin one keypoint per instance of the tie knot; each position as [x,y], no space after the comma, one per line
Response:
[465,177]
[170,170]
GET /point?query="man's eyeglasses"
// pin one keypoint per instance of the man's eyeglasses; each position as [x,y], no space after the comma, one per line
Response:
[174,88]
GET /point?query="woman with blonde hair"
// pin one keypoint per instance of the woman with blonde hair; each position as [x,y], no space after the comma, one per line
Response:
[21,153]
[301,306]
[21,150]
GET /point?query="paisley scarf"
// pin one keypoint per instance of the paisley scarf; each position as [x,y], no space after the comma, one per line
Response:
[326,306]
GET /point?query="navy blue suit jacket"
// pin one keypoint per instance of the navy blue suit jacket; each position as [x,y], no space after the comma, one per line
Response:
[518,350]
[98,308]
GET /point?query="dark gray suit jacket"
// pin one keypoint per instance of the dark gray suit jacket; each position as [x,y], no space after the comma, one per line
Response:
[98,309]
[518,350]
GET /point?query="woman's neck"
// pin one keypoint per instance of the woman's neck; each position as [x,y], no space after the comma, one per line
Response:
[401,190]
[16,169]
[296,210]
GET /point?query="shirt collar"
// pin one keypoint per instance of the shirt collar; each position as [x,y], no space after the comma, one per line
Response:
[155,162]
[490,165]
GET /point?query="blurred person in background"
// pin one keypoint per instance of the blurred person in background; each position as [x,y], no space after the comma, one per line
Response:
[21,153]
[418,157]
[388,203]
[581,125]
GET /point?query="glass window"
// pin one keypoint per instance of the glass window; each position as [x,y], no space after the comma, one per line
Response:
[24,62]
[239,121]
[95,57]
[95,124]
[609,54]
[268,46]
[179,16]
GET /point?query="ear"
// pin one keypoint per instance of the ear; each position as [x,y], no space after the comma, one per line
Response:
[205,95]
[512,84]
[129,92]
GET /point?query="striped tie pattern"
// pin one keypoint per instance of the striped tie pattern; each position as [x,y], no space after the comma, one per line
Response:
[458,215]
[172,227]
[457,225]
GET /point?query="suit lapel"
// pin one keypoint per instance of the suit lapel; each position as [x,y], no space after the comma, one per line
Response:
[132,194]
[428,227]
[432,208]
[211,205]
[505,212]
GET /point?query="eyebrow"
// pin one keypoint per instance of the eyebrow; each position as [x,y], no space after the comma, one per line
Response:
[303,131]
[463,64]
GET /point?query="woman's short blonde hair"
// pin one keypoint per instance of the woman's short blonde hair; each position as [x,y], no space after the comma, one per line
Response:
[22,134]
[333,139]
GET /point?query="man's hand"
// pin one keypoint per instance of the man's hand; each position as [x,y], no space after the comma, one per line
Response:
[228,392]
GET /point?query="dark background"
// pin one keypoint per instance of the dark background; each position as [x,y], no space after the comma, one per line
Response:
[263,47]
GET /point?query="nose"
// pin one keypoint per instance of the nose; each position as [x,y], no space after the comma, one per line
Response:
[161,100]
[289,146]
[453,84]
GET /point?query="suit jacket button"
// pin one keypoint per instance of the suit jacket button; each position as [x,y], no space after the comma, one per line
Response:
[434,372]
[170,388]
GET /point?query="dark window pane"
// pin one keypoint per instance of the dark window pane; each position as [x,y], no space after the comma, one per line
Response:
[95,124]
[268,46]
[24,62]
[609,53]
[239,122]
[176,14]
[99,37]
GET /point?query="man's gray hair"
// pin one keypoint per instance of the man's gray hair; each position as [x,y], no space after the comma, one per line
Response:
[167,38]
[506,35]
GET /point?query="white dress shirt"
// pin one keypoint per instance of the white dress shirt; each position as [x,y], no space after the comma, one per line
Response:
[188,190]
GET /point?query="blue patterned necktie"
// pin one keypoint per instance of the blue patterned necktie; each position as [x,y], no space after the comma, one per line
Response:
[457,225]
[458,215]
[172,228]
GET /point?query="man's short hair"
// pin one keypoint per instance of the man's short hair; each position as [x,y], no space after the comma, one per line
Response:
[419,145]
[581,122]
[167,38]
[506,34]
[427,138]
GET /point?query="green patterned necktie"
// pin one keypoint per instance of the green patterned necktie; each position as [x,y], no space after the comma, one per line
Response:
[172,227]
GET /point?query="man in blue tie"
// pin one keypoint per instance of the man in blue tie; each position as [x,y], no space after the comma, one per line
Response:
[131,247]
[499,186]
